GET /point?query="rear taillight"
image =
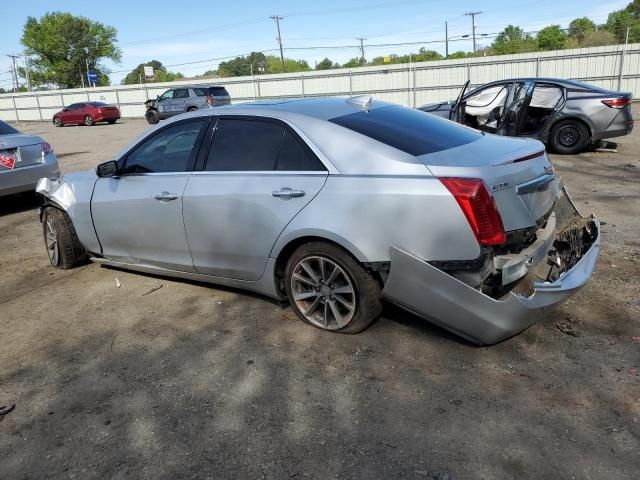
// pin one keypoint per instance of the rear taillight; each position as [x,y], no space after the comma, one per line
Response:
[45,148]
[479,206]
[620,102]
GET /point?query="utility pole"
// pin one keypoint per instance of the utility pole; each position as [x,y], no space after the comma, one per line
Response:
[26,70]
[473,27]
[446,40]
[14,77]
[361,48]
[277,19]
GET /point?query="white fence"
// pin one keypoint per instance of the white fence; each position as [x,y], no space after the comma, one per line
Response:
[614,67]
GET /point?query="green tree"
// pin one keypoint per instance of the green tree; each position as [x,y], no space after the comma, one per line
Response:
[274,65]
[59,44]
[160,74]
[598,39]
[513,40]
[353,63]
[551,38]
[458,54]
[326,64]
[581,28]
[619,20]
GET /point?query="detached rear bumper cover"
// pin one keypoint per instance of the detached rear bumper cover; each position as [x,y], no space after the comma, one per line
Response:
[465,311]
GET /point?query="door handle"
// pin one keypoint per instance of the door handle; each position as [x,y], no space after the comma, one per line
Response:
[287,193]
[165,196]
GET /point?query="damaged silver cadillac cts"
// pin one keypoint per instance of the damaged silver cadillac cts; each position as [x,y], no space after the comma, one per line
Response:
[335,204]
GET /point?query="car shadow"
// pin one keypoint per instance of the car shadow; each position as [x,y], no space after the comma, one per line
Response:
[19,202]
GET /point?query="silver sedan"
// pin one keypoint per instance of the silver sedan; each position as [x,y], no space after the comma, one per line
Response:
[23,160]
[335,204]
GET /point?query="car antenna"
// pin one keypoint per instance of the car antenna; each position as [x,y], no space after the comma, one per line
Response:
[363,102]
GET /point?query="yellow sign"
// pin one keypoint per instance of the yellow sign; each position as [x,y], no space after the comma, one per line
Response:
[386,59]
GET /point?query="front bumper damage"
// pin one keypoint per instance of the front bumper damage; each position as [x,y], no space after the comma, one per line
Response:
[452,304]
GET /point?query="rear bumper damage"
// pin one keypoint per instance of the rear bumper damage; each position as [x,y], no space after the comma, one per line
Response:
[450,303]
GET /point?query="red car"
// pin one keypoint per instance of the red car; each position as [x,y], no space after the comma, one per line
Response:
[87,113]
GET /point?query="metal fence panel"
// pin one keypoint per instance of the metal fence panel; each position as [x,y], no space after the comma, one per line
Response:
[614,67]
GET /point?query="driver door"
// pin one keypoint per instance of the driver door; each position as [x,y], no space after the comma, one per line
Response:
[138,215]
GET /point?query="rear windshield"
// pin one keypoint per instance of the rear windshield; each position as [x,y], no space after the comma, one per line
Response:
[412,131]
[99,104]
[6,129]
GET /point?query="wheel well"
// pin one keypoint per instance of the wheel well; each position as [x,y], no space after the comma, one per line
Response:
[192,107]
[289,248]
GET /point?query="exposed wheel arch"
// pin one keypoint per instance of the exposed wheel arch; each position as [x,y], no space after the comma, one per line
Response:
[283,255]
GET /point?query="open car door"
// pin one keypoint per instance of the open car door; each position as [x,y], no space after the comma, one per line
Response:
[457,111]
[515,114]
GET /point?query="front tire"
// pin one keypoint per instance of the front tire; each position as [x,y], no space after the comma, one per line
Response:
[152,116]
[57,122]
[88,121]
[63,247]
[569,137]
[330,290]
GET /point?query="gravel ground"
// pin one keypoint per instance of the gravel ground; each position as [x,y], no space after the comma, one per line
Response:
[192,381]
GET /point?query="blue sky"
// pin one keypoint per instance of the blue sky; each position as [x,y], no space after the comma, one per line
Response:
[176,32]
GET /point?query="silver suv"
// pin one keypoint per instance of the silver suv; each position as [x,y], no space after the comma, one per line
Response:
[185,98]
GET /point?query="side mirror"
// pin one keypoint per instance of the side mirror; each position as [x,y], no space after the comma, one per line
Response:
[107,169]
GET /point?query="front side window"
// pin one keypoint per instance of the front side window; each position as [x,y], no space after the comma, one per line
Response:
[72,107]
[411,131]
[244,145]
[181,93]
[168,95]
[170,150]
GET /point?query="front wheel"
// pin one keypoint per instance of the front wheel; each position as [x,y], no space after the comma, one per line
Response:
[330,290]
[57,122]
[569,137]
[88,121]
[152,117]
[63,247]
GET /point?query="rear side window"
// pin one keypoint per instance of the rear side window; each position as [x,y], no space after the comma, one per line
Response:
[244,145]
[200,92]
[218,92]
[6,129]
[296,156]
[412,131]
[99,104]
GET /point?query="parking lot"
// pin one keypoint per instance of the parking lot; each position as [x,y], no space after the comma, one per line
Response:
[160,378]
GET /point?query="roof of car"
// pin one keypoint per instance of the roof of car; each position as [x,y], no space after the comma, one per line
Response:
[323,108]
[562,81]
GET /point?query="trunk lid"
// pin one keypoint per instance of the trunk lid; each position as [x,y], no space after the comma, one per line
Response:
[517,172]
[26,150]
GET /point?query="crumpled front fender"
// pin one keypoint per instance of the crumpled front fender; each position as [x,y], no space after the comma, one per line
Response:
[56,191]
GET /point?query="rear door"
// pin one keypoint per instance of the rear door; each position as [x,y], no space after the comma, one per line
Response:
[180,100]
[257,175]
[138,216]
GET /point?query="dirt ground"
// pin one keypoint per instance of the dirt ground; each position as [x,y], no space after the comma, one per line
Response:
[193,381]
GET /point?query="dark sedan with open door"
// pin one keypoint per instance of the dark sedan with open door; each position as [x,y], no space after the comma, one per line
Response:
[566,115]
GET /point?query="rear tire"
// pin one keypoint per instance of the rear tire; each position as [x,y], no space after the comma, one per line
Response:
[569,137]
[330,290]
[152,116]
[88,121]
[111,122]
[57,122]
[61,241]
[192,109]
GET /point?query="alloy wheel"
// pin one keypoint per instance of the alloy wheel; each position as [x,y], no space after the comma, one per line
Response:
[88,121]
[323,292]
[52,242]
